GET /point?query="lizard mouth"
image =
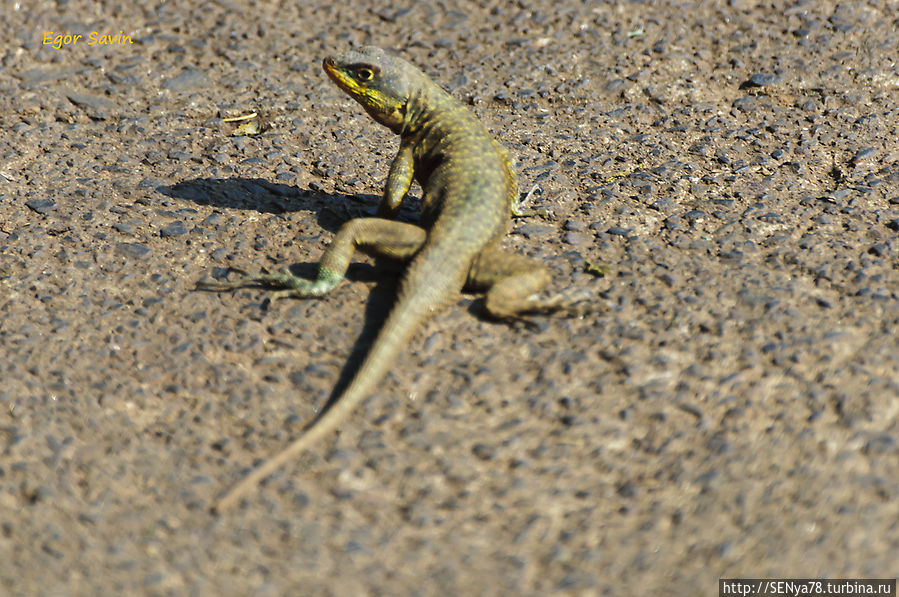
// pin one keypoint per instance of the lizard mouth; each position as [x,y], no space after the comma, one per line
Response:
[335,74]
[370,99]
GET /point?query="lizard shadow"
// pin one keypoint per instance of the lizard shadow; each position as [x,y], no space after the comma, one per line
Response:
[331,210]
[263,196]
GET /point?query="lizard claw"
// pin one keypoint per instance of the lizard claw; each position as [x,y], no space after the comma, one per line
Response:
[286,293]
[575,302]
[518,207]
[206,283]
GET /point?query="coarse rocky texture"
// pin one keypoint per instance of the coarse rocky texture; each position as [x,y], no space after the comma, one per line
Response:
[732,409]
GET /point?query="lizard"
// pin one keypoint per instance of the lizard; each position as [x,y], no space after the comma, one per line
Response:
[469,195]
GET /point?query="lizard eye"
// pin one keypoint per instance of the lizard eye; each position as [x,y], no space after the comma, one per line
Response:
[364,74]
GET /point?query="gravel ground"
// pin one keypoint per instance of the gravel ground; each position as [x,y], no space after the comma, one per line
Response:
[731,408]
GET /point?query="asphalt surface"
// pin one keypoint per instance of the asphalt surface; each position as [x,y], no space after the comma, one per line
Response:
[722,178]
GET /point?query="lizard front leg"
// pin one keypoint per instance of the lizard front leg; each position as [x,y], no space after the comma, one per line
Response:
[373,236]
[399,179]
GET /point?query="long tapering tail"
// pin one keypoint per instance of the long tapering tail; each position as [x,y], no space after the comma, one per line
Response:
[423,291]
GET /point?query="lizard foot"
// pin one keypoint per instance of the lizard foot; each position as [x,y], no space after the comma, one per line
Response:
[518,207]
[575,301]
[207,283]
[288,284]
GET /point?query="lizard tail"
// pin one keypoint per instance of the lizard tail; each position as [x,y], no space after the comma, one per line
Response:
[423,291]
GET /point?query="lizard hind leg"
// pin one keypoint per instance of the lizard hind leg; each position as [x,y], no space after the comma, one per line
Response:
[513,284]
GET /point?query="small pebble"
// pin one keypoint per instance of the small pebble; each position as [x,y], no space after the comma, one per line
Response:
[41,206]
[133,250]
[760,80]
[189,80]
[176,228]
[577,238]
[695,215]
[863,155]
[484,451]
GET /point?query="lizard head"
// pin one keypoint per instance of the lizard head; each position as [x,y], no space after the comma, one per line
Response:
[380,82]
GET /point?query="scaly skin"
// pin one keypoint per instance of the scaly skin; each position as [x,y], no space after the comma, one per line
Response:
[469,195]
